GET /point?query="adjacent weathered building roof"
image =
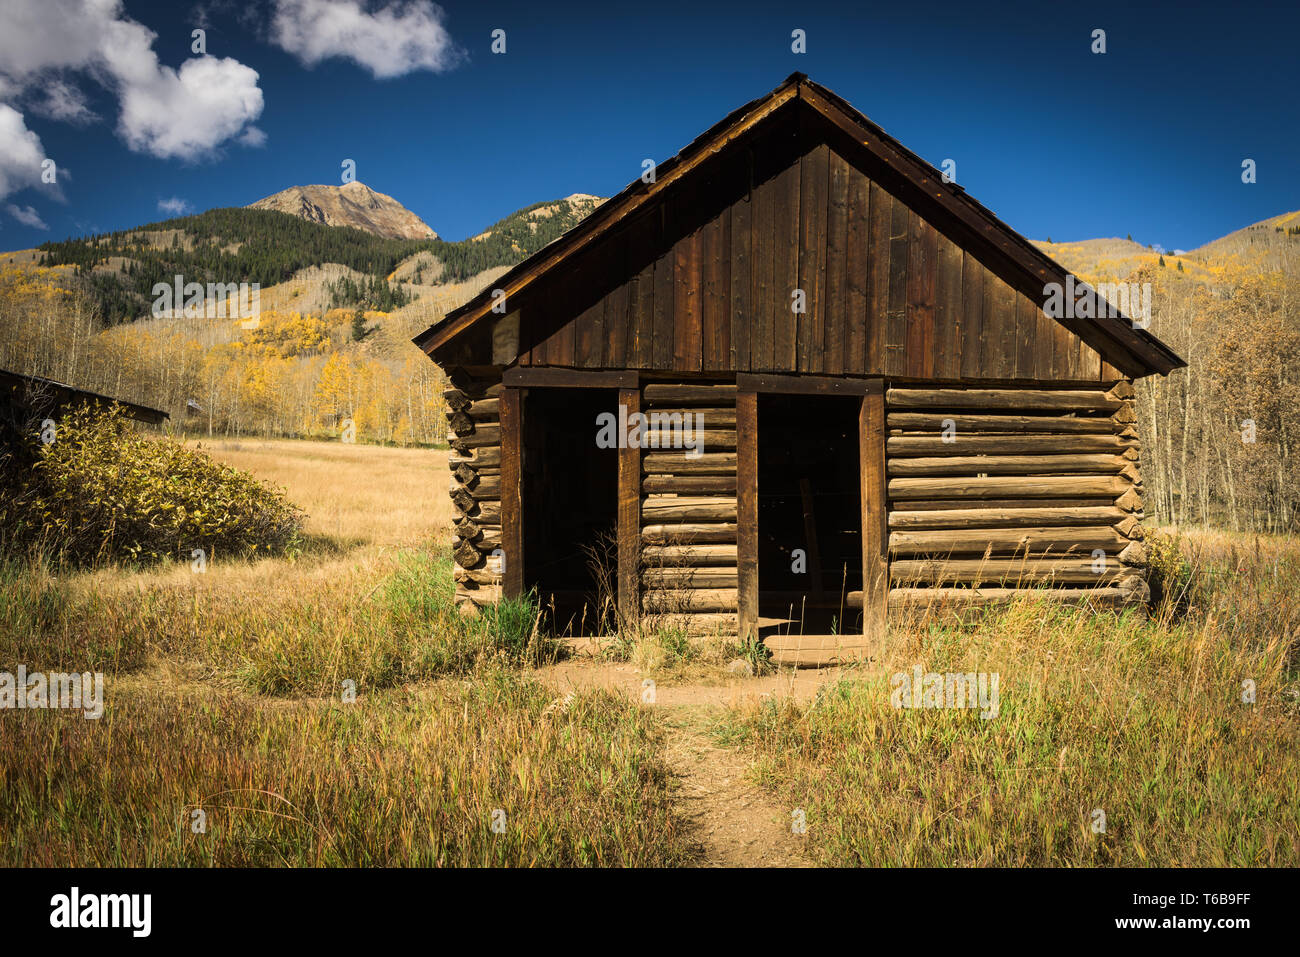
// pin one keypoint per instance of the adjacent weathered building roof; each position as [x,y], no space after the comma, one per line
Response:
[40,394]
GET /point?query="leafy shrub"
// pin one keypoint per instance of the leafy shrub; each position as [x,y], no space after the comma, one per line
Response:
[1169,574]
[103,490]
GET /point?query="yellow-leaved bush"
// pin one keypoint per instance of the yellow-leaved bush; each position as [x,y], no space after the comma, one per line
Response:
[103,490]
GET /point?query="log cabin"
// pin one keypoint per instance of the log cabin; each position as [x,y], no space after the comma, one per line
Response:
[26,400]
[878,409]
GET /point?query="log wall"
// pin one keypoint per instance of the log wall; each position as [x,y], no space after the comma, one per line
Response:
[993,491]
[989,492]
[473,414]
[688,512]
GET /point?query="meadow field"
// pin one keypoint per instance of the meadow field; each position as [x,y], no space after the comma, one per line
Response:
[332,708]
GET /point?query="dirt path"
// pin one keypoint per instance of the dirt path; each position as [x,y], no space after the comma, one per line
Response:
[735,822]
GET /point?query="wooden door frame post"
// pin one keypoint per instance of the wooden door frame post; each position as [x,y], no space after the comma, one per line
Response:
[511,413]
[629,517]
[747,515]
[875,531]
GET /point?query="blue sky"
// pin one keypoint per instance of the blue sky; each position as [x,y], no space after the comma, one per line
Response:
[1146,139]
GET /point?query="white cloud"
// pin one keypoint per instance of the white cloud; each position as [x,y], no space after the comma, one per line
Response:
[27,216]
[174,206]
[189,112]
[21,153]
[166,112]
[60,100]
[253,137]
[398,38]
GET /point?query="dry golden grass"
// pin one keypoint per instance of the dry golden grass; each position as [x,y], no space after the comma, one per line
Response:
[225,693]
[192,777]
[1149,721]
[365,505]
[362,494]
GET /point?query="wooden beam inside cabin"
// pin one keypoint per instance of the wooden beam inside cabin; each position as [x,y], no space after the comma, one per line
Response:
[512,518]
[747,515]
[550,378]
[802,384]
[875,534]
[629,518]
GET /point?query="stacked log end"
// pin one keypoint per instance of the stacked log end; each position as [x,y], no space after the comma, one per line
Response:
[475,490]
[995,491]
[688,510]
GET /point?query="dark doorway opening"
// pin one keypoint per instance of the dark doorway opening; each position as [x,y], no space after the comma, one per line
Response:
[570,508]
[809,514]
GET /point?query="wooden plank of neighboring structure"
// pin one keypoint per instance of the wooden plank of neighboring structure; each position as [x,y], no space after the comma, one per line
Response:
[1006,487]
[1063,352]
[665,297]
[716,344]
[1023,570]
[814,185]
[1013,399]
[747,514]
[1000,318]
[1003,443]
[835,294]
[629,518]
[640,293]
[803,384]
[741,279]
[616,310]
[984,517]
[560,348]
[972,316]
[1026,338]
[896,309]
[785,268]
[589,323]
[856,266]
[685,463]
[875,533]
[568,378]
[1044,340]
[922,262]
[1054,540]
[512,519]
[1068,464]
[965,424]
[948,303]
[537,354]
[763,269]
[689,532]
[672,483]
[879,218]
[687,318]
[589,336]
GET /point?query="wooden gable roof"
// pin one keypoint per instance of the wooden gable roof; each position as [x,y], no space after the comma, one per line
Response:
[801,122]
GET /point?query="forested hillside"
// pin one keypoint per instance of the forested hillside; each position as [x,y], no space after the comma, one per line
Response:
[118,270]
[331,343]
